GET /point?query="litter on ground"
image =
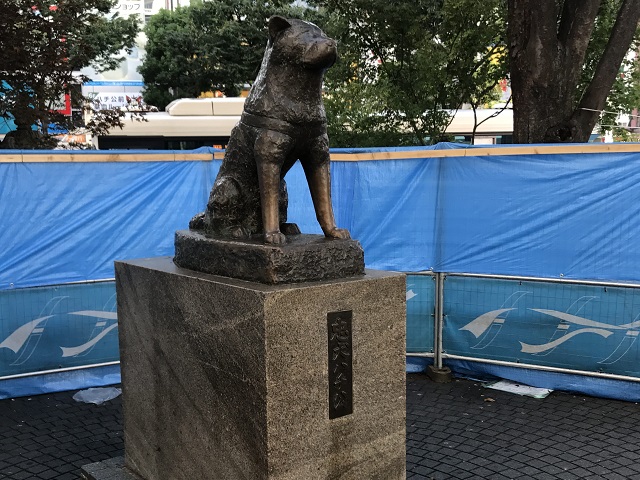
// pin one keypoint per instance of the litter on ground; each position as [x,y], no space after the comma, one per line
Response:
[97,395]
[519,388]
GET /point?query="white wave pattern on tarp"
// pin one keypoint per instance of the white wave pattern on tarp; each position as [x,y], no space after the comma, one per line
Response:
[16,340]
[71,351]
[527,348]
[96,314]
[585,322]
[484,321]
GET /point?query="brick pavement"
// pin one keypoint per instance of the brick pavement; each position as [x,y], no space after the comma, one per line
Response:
[52,436]
[452,433]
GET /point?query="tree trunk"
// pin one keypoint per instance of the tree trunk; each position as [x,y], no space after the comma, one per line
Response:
[22,138]
[28,113]
[546,58]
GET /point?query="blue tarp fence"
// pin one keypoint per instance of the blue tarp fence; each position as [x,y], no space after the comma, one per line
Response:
[447,208]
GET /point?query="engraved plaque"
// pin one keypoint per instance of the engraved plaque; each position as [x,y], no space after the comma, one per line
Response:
[340,364]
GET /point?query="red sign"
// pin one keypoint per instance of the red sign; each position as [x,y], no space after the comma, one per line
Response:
[63,105]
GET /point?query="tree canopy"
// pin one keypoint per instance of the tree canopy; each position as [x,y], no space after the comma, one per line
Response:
[624,95]
[43,44]
[207,46]
[565,58]
[406,66]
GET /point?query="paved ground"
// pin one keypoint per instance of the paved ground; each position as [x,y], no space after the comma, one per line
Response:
[454,431]
[52,436]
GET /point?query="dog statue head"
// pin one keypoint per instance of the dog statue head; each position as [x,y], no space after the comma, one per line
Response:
[298,42]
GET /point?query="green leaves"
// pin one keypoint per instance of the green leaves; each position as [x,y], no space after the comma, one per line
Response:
[44,42]
[208,46]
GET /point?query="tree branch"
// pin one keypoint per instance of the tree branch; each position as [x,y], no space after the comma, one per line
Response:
[576,24]
[622,34]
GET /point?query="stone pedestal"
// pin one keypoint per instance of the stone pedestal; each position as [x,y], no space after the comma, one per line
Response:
[230,379]
[304,258]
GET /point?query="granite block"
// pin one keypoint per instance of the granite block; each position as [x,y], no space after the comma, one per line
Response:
[229,379]
[303,258]
[111,469]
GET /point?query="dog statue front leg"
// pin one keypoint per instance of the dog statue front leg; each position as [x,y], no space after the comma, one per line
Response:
[320,187]
[317,170]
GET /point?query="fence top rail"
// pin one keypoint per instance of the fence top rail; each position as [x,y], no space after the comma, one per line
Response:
[599,283]
[53,156]
[58,156]
[473,151]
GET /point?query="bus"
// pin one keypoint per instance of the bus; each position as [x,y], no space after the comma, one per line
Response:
[189,123]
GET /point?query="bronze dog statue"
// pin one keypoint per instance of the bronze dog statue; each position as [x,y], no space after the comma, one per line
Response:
[283,121]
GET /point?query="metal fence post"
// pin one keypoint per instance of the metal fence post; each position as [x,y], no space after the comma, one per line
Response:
[437,372]
[437,337]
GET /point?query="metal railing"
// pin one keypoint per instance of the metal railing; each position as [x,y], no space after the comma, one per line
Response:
[439,317]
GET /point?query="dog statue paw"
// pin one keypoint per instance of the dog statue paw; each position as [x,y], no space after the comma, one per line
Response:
[275,238]
[338,233]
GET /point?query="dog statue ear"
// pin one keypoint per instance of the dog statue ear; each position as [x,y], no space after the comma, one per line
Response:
[276,25]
